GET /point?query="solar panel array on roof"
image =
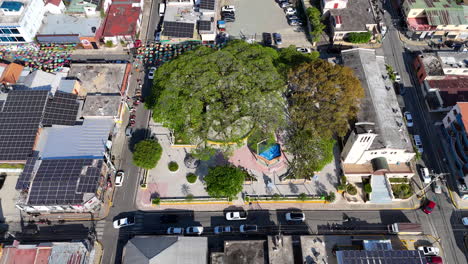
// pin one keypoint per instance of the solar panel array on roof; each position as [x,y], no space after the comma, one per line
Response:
[381,256]
[207,4]
[178,29]
[20,119]
[204,25]
[59,181]
[25,177]
[62,109]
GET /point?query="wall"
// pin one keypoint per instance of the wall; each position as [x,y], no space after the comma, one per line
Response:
[419,69]
[451,116]
[414,13]
[53,9]
[356,145]
[393,156]
[333,4]
[455,71]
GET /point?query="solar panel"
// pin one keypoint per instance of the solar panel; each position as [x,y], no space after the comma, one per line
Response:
[204,25]
[382,256]
[25,177]
[62,109]
[178,29]
[207,4]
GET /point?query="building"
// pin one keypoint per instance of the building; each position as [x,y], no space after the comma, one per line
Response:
[47,253]
[241,252]
[54,6]
[344,18]
[11,74]
[166,249]
[68,29]
[444,77]
[378,145]
[20,20]
[455,134]
[444,19]
[103,106]
[83,7]
[183,20]
[122,22]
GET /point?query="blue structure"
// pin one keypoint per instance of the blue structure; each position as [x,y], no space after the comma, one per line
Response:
[271,153]
[11,6]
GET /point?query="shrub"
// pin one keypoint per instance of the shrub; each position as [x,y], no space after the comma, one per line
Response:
[276,196]
[156,201]
[189,197]
[367,188]
[331,197]
[341,187]
[359,37]
[109,44]
[147,154]
[173,166]
[402,191]
[224,181]
[351,189]
[302,197]
[343,179]
[398,180]
[191,178]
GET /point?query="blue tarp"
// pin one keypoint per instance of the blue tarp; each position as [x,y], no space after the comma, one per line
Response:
[272,152]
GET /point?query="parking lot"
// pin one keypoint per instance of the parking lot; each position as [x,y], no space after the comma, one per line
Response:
[255,17]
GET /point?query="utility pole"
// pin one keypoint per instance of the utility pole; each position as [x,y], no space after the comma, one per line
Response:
[435,176]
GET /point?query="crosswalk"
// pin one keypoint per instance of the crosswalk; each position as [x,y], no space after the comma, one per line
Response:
[99,228]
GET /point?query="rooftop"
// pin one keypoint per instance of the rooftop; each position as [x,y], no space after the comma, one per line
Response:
[368,169]
[101,105]
[443,12]
[166,249]
[78,6]
[11,73]
[280,251]
[10,19]
[121,20]
[241,252]
[42,80]
[453,59]
[380,105]
[355,16]
[63,24]
[432,64]
[381,256]
[313,249]
[103,78]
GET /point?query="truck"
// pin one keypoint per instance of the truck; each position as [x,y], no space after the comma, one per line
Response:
[236,215]
[405,229]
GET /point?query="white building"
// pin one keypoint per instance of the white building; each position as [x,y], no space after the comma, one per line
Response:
[20,20]
[54,6]
[378,144]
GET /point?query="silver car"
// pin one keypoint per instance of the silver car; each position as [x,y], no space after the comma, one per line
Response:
[222,229]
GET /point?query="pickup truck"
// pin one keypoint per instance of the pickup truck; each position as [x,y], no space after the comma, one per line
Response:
[236,215]
[405,229]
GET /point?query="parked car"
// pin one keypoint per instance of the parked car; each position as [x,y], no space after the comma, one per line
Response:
[425,175]
[151,72]
[129,131]
[429,207]
[295,217]
[236,215]
[175,231]
[277,38]
[285,4]
[157,36]
[169,219]
[222,229]
[229,8]
[123,222]
[397,77]
[290,11]
[292,17]
[194,230]
[418,143]
[267,39]
[465,221]
[409,119]
[228,14]
[248,228]
[229,19]
[119,177]
[303,50]
[434,260]
[429,251]
[437,186]
[295,23]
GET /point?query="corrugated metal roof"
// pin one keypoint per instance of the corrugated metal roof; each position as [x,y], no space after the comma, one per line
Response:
[85,141]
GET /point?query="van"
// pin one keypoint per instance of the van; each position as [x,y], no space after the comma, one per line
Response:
[425,175]
[437,187]
[162,9]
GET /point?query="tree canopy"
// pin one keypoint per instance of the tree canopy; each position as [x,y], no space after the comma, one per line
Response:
[147,154]
[359,37]
[219,94]
[224,181]
[314,16]
[323,97]
[289,58]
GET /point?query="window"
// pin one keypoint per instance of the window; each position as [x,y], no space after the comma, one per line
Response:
[455,112]
[449,70]
[21,39]
[6,31]
[465,70]
[3,39]
[448,119]
[384,152]
[14,31]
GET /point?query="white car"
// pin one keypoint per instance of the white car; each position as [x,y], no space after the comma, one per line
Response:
[465,221]
[238,215]
[425,175]
[429,251]
[123,222]
[175,231]
[151,73]
[397,77]
[228,8]
[290,11]
[119,177]
[194,230]
[303,50]
[418,143]
[409,119]
[222,229]
[295,217]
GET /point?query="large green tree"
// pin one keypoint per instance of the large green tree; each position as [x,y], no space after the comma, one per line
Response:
[219,94]
[147,154]
[289,58]
[314,16]
[323,97]
[224,181]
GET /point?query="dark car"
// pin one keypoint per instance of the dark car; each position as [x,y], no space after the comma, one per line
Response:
[229,19]
[228,13]
[267,40]
[248,228]
[169,219]
[277,37]
[434,260]
[429,207]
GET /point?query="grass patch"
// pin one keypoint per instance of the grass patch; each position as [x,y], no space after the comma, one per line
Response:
[402,191]
[191,178]
[11,166]
[398,180]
